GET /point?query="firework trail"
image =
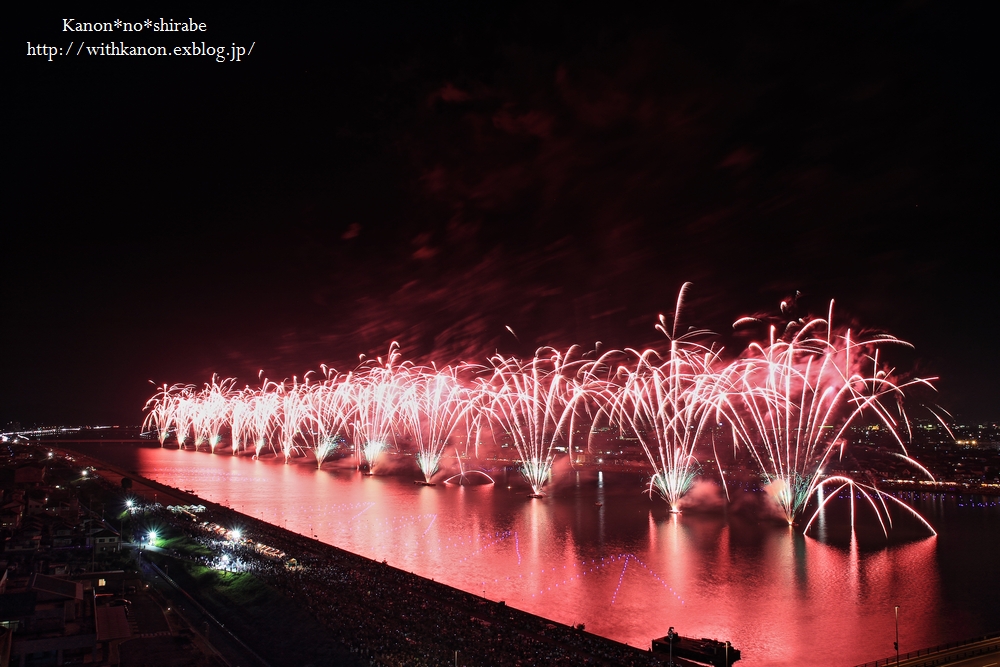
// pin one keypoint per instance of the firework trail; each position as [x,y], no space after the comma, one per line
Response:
[162,407]
[536,403]
[377,392]
[264,406]
[463,474]
[666,403]
[185,412]
[792,400]
[433,406]
[294,417]
[330,406]
[213,407]
[788,402]
[240,418]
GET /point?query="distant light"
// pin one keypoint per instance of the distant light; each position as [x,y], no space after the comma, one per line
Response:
[151,537]
[84,473]
[129,503]
[236,534]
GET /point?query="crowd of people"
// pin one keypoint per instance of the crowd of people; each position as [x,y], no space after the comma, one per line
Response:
[389,617]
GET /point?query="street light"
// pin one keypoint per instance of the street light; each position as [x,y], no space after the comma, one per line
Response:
[896,643]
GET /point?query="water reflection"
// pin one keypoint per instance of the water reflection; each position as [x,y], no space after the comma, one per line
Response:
[600,552]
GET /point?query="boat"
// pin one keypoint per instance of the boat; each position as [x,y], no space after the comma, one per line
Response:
[704,650]
[536,495]
[421,482]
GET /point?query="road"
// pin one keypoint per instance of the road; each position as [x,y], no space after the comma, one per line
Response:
[207,629]
[976,653]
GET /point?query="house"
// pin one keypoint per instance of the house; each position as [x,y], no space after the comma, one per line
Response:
[105,541]
[29,476]
[50,622]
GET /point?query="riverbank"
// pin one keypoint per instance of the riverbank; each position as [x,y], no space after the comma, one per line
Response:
[379,614]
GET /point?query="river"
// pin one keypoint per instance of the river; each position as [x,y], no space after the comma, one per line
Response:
[599,551]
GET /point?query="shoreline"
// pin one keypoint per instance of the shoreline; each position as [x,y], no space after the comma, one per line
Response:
[478,613]
[939,487]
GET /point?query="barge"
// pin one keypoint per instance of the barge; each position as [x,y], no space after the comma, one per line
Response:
[706,651]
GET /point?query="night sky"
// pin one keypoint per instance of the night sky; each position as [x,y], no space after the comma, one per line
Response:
[434,175]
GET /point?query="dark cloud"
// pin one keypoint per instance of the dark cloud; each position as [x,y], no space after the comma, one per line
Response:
[433,177]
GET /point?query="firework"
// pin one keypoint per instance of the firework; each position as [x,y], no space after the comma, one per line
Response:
[161,409]
[665,402]
[536,404]
[791,401]
[463,474]
[263,418]
[185,411]
[788,402]
[377,392]
[330,407]
[434,405]
[213,407]
[293,425]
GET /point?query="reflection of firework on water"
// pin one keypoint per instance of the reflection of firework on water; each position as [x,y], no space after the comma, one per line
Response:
[788,402]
